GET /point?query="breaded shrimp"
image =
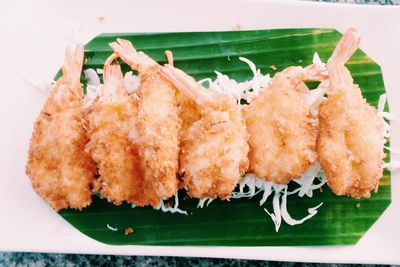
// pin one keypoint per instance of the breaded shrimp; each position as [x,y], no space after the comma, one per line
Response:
[214,148]
[111,119]
[157,124]
[282,135]
[61,171]
[189,112]
[350,142]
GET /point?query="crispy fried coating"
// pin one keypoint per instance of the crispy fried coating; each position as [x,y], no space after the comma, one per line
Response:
[214,148]
[282,135]
[189,112]
[350,142]
[60,170]
[111,120]
[158,125]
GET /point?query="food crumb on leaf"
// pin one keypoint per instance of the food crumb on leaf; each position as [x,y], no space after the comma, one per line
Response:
[128,231]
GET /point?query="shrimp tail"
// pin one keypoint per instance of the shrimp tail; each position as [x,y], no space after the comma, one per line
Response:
[73,63]
[339,75]
[170,57]
[136,60]
[315,72]
[186,84]
[112,75]
[297,74]
[113,78]
[346,47]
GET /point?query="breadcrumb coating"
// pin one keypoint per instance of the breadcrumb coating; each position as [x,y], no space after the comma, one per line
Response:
[61,171]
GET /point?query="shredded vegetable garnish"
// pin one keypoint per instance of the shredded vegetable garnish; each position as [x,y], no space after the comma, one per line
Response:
[239,90]
[94,88]
[392,150]
[286,216]
[386,118]
[112,228]
[251,185]
[165,208]
[317,61]
[131,82]
[173,209]
[42,86]
[92,77]
[392,166]
[204,201]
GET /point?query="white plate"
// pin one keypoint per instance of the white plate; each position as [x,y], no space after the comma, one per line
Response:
[33,40]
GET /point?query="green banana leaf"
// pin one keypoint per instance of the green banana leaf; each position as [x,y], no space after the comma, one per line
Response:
[239,222]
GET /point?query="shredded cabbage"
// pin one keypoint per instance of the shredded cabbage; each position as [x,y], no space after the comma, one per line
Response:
[94,88]
[239,90]
[250,185]
[112,228]
[43,86]
[131,82]
[173,209]
[204,201]
[286,216]
[385,117]
[92,77]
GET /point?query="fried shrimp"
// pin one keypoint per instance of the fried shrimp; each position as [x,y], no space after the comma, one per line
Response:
[188,110]
[158,125]
[282,135]
[214,148]
[111,119]
[350,142]
[61,171]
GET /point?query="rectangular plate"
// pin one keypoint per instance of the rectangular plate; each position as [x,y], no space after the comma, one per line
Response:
[35,38]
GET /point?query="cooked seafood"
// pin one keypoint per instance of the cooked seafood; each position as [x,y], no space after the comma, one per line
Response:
[132,146]
[189,111]
[157,125]
[350,142]
[61,171]
[214,148]
[111,119]
[282,135]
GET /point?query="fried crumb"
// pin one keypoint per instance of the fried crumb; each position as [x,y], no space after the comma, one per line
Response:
[321,190]
[358,205]
[169,204]
[273,67]
[101,18]
[128,231]
[237,27]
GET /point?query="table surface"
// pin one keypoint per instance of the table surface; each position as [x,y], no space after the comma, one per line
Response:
[47,259]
